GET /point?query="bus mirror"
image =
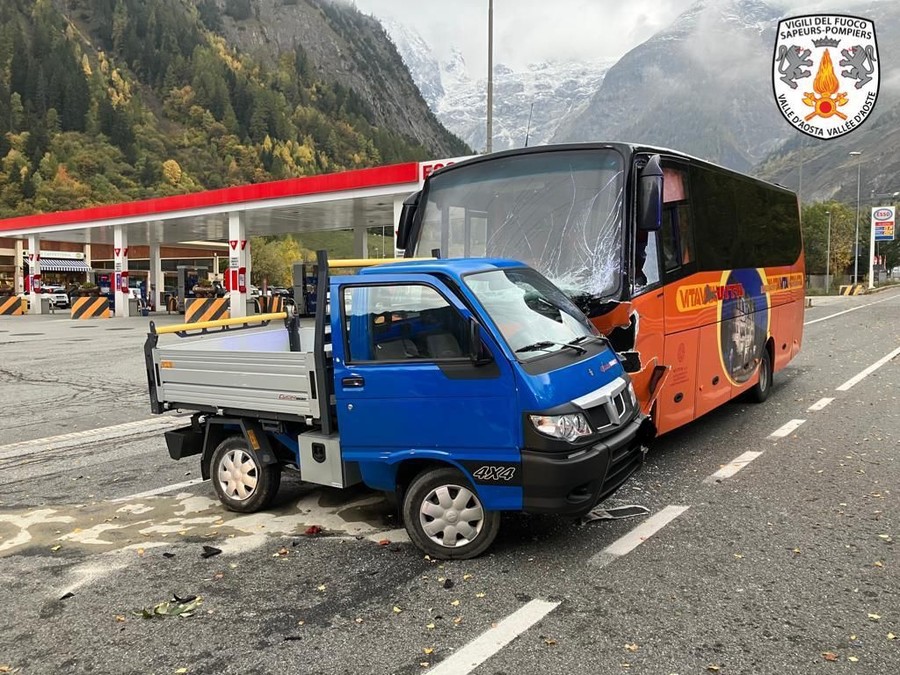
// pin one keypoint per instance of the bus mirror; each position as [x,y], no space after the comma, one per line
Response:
[651,196]
[410,205]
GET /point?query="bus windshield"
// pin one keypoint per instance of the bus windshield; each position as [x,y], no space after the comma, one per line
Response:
[558,211]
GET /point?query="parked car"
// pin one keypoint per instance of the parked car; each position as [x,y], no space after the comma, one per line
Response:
[58,296]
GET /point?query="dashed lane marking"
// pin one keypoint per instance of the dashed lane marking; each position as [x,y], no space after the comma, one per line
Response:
[732,467]
[856,379]
[78,438]
[492,641]
[637,536]
[787,429]
[818,405]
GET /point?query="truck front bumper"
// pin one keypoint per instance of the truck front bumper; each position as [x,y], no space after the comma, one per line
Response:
[573,483]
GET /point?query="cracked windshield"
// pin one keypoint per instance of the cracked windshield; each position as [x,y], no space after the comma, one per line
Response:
[560,212]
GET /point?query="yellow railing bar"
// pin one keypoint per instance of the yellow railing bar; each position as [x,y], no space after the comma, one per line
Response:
[369,262]
[218,323]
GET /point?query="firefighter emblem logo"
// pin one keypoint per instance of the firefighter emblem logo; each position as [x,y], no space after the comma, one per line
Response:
[826,73]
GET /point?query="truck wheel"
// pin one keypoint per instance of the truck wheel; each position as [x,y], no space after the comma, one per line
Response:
[760,391]
[242,482]
[445,518]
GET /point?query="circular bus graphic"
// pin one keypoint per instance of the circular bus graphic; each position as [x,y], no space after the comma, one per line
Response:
[744,324]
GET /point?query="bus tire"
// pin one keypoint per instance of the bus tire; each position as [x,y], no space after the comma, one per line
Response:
[760,391]
[242,482]
[441,504]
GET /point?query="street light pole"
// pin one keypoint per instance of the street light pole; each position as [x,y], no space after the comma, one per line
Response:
[490,79]
[858,156]
[828,255]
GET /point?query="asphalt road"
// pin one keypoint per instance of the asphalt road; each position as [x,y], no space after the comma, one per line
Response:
[789,565]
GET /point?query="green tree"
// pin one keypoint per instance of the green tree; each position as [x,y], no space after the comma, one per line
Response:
[815,236]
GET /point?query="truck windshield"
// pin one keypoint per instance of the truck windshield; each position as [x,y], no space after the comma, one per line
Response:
[560,212]
[532,314]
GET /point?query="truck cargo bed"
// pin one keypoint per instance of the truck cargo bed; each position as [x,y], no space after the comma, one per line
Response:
[251,370]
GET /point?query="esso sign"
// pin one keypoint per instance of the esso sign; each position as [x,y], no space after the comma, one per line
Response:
[428,168]
[883,214]
[431,167]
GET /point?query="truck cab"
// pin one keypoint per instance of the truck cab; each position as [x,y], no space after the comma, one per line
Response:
[466,387]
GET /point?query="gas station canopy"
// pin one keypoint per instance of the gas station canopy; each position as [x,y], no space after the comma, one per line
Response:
[362,198]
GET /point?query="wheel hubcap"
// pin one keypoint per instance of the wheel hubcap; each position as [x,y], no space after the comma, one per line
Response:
[238,475]
[763,375]
[451,516]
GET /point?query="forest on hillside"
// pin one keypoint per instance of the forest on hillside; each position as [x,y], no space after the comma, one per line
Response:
[114,100]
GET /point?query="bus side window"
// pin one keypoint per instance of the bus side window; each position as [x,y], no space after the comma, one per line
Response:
[677,232]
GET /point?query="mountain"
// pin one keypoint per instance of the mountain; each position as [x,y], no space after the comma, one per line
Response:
[701,86]
[527,103]
[114,100]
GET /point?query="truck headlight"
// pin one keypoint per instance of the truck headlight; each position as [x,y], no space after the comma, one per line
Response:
[569,427]
[633,394]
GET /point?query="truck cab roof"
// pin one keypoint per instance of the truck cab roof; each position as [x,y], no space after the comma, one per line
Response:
[454,267]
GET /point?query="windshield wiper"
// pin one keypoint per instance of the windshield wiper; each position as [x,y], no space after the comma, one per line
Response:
[543,344]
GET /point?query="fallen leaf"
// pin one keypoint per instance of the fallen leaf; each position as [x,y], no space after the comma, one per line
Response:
[321,587]
[56,548]
[631,647]
[479,595]
[874,617]
[313,530]
[397,610]
[455,603]
[301,622]
[458,620]
[281,553]
[384,542]
[797,551]
[739,555]
[549,642]
[424,664]
[852,658]
[714,669]
[466,577]
[878,563]
[891,636]
[180,671]
[428,650]
[430,626]
[120,618]
[5,669]
[359,619]
[829,656]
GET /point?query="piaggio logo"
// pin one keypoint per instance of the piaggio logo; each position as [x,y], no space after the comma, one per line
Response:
[811,94]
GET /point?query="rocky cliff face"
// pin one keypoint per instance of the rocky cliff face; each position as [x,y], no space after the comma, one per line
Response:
[350,48]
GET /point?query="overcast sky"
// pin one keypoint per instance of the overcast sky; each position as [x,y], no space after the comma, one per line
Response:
[530,31]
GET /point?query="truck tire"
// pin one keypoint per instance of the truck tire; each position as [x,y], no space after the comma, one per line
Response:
[760,391]
[445,518]
[241,481]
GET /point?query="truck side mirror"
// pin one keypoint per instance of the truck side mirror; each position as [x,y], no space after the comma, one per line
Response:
[410,206]
[650,196]
[477,352]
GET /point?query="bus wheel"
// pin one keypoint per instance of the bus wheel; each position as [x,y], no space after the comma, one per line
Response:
[445,518]
[242,482]
[760,392]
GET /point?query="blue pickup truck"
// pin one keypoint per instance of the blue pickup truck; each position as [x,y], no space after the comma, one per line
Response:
[465,387]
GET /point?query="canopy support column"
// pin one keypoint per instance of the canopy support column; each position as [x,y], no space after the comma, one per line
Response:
[238,273]
[34,272]
[157,285]
[120,250]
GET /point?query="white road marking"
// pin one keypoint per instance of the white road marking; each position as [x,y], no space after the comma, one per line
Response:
[856,379]
[77,438]
[158,491]
[787,429]
[492,641]
[732,468]
[638,535]
[852,309]
[818,405]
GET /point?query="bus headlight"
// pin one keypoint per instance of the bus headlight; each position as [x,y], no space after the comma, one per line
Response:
[569,427]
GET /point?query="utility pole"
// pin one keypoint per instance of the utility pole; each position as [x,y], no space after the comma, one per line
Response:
[828,255]
[490,77]
[858,156]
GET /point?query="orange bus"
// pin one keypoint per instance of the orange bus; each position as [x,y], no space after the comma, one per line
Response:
[695,273]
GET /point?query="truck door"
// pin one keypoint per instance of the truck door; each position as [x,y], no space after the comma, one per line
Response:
[403,376]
